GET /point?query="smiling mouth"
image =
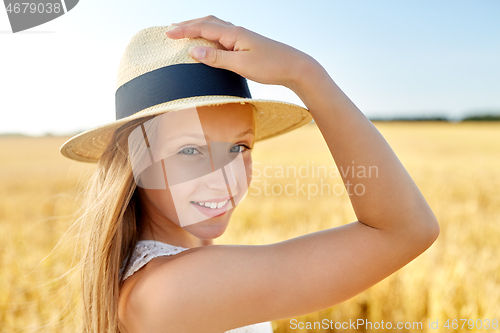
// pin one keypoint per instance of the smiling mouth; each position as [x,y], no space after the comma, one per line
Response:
[213,208]
[210,205]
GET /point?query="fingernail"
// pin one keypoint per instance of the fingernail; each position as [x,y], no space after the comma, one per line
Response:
[198,52]
[168,31]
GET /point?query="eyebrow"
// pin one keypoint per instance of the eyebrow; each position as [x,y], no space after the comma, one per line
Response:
[202,137]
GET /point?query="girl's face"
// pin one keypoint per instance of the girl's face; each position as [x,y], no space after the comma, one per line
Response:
[202,167]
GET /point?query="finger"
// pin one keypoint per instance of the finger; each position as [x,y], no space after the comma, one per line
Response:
[217,57]
[225,35]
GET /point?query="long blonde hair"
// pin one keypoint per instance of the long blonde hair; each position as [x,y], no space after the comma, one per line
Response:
[108,229]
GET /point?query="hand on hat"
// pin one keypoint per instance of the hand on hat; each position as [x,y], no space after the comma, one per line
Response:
[249,54]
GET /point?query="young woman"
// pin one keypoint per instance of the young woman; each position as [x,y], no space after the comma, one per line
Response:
[149,263]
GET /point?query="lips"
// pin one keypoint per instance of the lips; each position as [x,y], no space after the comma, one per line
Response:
[212,204]
[224,203]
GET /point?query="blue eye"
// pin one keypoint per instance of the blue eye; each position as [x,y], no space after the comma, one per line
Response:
[238,150]
[189,151]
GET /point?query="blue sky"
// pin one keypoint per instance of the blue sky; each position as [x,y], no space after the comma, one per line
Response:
[392,58]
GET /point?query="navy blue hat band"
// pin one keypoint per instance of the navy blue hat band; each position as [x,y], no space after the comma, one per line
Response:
[174,82]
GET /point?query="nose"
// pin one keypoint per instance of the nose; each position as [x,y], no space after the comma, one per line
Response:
[230,178]
[221,160]
[217,182]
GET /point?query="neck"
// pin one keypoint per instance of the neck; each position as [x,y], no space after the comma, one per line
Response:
[170,233]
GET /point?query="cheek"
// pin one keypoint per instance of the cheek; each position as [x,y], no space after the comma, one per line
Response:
[162,201]
[182,193]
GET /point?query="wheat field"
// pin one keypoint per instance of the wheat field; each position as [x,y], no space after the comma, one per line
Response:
[455,165]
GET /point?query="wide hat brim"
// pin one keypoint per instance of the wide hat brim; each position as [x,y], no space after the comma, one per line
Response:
[272,118]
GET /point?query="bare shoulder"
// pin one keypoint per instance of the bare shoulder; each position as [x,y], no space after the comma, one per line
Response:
[229,286]
[132,292]
[184,286]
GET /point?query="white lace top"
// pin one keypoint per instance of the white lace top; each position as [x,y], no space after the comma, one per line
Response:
[146,250]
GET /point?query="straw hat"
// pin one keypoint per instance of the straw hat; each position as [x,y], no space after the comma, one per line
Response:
[157,74]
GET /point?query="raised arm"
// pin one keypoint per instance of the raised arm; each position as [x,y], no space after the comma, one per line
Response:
[391,200]
[238,285]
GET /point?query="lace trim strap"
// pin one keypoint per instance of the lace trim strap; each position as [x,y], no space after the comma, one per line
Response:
[145,251]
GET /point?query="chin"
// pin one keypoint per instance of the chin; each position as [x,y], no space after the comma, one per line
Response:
[211,228]
[206,230]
